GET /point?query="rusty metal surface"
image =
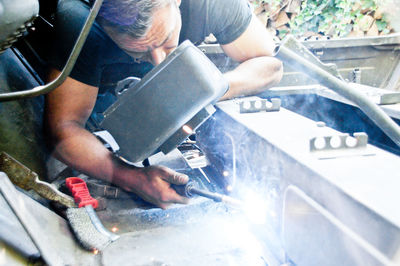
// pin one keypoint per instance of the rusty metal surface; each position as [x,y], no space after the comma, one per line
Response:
[26,179]
[21,121]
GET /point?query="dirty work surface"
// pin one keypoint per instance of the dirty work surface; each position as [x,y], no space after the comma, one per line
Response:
[208,239]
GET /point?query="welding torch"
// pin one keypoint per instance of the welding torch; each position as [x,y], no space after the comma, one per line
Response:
[190,190]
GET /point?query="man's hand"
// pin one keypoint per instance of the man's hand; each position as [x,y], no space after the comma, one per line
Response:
[153,184]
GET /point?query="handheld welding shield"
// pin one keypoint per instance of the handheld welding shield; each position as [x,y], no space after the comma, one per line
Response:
[161,110]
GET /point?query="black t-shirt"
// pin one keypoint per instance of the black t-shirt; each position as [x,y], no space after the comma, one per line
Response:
[100,56]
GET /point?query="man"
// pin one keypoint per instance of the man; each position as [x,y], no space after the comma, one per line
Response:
[129,33]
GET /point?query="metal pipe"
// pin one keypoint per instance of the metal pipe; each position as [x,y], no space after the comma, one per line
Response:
[215,197]
[39,90]
[373,111]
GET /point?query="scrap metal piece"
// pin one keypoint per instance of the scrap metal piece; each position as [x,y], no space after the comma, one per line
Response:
[260,105]
[12,233]
[326,147]
[26,179]
[34,230]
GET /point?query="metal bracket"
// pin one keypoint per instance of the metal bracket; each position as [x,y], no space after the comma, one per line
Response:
[108,140]
[260,105]
[125,84]
[326,147]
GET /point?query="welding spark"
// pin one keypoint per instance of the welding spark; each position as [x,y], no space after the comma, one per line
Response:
[95,251]
[225,173]
[114,229]
[229,188]
[204,174]
[187,129]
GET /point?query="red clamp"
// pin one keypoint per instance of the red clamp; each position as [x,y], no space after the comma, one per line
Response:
[80,192]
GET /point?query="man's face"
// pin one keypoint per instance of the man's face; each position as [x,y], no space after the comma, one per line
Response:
[161,39]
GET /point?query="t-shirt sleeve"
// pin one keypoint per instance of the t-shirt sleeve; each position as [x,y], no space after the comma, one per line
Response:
[70,18]
[228,19]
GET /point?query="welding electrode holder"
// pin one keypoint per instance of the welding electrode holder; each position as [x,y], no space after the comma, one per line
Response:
[185,190]
[191,189]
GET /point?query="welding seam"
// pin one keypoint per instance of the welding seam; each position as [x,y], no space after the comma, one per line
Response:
[376,114]
[233,160]
[43,89]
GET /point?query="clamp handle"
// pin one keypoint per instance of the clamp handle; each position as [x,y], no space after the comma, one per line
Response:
[80,192]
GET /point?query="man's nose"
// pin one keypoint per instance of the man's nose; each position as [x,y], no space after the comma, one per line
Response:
[158,55]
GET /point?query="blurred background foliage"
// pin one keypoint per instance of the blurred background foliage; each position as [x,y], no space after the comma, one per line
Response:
[323,18]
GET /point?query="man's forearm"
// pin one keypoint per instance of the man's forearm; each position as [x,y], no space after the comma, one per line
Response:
[81,150]
[253,76]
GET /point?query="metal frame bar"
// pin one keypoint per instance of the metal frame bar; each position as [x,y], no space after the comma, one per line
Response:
[43,89]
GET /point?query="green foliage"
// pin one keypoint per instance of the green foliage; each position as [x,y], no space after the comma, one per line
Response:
[329,17]
[334,18]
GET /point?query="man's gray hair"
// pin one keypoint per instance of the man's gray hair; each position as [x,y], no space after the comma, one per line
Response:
[133,17]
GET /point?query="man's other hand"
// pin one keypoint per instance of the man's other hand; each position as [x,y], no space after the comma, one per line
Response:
[153,184]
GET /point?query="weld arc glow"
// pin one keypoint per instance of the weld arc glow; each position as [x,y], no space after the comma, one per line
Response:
[256,208]
[187,129]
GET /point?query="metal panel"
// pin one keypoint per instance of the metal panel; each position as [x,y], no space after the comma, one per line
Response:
[313,236]
[21,132]
[266,152]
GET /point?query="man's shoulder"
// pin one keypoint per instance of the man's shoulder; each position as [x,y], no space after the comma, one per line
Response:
[226,19]
[202,5]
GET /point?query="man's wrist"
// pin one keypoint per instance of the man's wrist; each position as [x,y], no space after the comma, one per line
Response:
[124,175]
